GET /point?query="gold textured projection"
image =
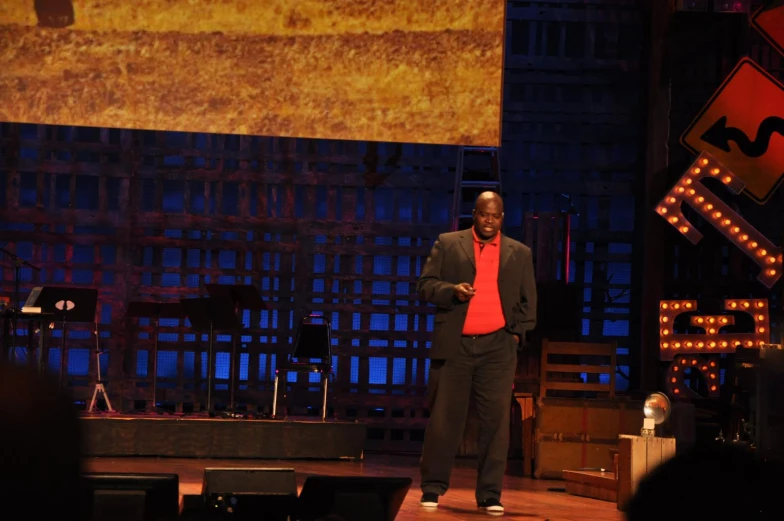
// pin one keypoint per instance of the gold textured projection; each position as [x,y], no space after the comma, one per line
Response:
[379,70]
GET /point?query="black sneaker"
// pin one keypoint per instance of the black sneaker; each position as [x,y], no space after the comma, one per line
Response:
[429,500]
[492,507]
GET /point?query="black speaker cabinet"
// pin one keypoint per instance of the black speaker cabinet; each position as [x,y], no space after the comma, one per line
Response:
[352,498]
[261,494]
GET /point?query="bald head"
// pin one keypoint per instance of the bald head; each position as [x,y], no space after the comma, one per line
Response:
[488,215]
[486,198]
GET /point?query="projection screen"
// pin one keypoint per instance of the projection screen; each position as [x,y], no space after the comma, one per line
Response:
[419,71]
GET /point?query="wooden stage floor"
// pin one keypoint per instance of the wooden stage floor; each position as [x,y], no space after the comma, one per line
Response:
[524,498]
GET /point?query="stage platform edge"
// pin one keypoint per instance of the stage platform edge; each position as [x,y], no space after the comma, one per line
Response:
[205,437]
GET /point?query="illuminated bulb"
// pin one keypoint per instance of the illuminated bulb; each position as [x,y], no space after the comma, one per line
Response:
[692,191]
[665,332]
[693,361]
[700,199]
[761,330]
[662,210]
[711,320]
[676,391]
[760,304]
[727,180]
[771,272]
[683,361]
[713,364]
[753,244]
[735,229]
[724,344]
[664,305]
[726,222]
[665,319]
[746,304]
[709,206]
[673,219]
[676,306]
[665,345]
[696,170]
[724,320]
[687,305]
[744,237]
[715,171]
[688,344]
[684,229]
[717,214]
[676,369]
[687,181]
[681,189]
[673,379]
[733,304]
[677,345]
[700,320]
[712,388]
[760,317]
[712,344]
[771,260]
[700,344]
[704,161]
[671,200]
[711,331]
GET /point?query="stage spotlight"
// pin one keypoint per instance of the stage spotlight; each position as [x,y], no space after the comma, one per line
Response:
[692,5]
[731,6]
[656,409]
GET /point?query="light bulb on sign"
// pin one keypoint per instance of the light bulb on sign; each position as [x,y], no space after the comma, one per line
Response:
[712,340]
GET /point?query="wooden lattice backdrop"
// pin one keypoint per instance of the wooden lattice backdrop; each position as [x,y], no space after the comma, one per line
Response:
[336,227]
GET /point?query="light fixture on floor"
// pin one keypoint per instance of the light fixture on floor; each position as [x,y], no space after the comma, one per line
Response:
[656,409]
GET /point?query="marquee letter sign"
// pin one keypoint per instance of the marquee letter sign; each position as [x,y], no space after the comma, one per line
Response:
[676,379]
[691,190]
[712,341]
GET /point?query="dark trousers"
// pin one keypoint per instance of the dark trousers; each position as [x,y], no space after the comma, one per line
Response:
[485,367]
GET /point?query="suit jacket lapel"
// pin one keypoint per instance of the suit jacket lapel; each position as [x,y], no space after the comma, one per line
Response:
[467,242]
[505,254]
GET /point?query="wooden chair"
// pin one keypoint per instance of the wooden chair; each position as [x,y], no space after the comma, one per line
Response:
[560,376]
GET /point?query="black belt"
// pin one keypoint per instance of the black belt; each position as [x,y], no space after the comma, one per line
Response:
[485,334]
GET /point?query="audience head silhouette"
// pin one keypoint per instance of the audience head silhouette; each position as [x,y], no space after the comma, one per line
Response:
[40,443]
[722,481]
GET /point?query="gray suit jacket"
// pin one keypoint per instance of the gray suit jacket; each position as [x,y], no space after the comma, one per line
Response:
[451,262]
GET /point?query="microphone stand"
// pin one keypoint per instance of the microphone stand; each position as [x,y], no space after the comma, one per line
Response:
[18,263]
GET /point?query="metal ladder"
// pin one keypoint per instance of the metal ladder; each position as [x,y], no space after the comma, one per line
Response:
[482,174]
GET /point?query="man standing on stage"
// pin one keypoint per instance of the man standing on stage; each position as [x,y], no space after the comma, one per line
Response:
[482,284]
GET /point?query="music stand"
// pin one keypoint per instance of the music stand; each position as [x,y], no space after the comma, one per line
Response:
[18,264]
[157,311]
[66,305]
[210,314]
[242,296]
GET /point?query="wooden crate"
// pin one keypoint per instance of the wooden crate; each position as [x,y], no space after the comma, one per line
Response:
[573,433]
[637,456]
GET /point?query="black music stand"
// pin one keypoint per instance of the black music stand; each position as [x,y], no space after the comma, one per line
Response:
[210,314]
[242,296]
[66,305]
[18,264]
[156,311]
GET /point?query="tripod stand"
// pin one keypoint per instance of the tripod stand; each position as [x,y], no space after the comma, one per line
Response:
[99,387]
[156,311]
[18,264]
[210,314]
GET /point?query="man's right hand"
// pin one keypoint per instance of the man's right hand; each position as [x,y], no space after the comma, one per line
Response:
[464,291]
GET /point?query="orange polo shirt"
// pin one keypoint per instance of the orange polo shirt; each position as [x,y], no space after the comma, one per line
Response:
[485,314]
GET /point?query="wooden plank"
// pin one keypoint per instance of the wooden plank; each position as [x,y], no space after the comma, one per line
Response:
[638,456]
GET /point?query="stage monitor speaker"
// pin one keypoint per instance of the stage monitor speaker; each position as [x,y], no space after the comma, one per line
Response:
[114,496]
[352,498]
[268,494]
